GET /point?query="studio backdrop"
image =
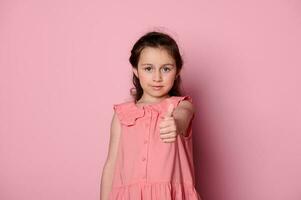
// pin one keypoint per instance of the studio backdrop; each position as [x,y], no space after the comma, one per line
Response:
[63,64]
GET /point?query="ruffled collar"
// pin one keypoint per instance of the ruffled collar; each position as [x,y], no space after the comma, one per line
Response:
[132,112]
[152,105]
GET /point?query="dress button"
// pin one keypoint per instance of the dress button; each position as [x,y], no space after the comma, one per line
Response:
[143,159]
[145,141]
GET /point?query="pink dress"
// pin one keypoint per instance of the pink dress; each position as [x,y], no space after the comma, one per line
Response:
[146,167]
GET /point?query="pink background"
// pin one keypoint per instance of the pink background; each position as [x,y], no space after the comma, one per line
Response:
[65,63]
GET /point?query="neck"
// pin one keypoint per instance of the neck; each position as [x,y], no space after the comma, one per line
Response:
[152,99]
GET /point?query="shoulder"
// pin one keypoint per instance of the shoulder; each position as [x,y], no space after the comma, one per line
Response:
[127,112]
[120,109]
[122,105]
[185,102]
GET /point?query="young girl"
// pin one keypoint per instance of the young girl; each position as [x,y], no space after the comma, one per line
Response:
[150,153]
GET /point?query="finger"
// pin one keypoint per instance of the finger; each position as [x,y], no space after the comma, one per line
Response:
[166,122]
[168,136]
[170,110]
[170,140]
[167,130]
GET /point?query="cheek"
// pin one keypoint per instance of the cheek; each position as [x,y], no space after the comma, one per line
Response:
[144,78]
[170,78]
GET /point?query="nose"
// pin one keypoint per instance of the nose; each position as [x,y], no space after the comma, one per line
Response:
[157,76]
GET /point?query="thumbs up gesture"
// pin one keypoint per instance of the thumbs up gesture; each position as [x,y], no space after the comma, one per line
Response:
[168,128]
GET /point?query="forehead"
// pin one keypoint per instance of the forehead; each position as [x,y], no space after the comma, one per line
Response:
[155,55]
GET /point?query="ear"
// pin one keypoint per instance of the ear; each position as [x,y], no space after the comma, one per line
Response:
[177,75]
[136,72]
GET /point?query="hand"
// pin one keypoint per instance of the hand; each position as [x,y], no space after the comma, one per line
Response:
[168,128]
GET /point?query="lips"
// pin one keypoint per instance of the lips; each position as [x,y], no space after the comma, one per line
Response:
[157,87]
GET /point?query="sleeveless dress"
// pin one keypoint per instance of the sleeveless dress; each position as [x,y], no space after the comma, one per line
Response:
[146,167]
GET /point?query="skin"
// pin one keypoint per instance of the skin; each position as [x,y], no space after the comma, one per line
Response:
[175,121]
[157,67]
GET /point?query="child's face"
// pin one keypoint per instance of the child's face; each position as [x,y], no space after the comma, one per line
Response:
[156,68]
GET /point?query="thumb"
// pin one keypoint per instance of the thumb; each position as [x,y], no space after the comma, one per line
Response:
[170,110]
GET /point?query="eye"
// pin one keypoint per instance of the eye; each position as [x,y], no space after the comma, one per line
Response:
[147,68]
[166,69]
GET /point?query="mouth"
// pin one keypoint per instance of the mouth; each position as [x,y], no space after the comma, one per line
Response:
[157,87]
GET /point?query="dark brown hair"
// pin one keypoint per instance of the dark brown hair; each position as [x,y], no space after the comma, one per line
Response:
[157,40]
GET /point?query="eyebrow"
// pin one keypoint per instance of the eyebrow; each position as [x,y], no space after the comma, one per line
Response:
[161,65]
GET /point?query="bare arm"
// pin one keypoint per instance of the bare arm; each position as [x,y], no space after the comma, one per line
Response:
[108,169]
[182,115]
